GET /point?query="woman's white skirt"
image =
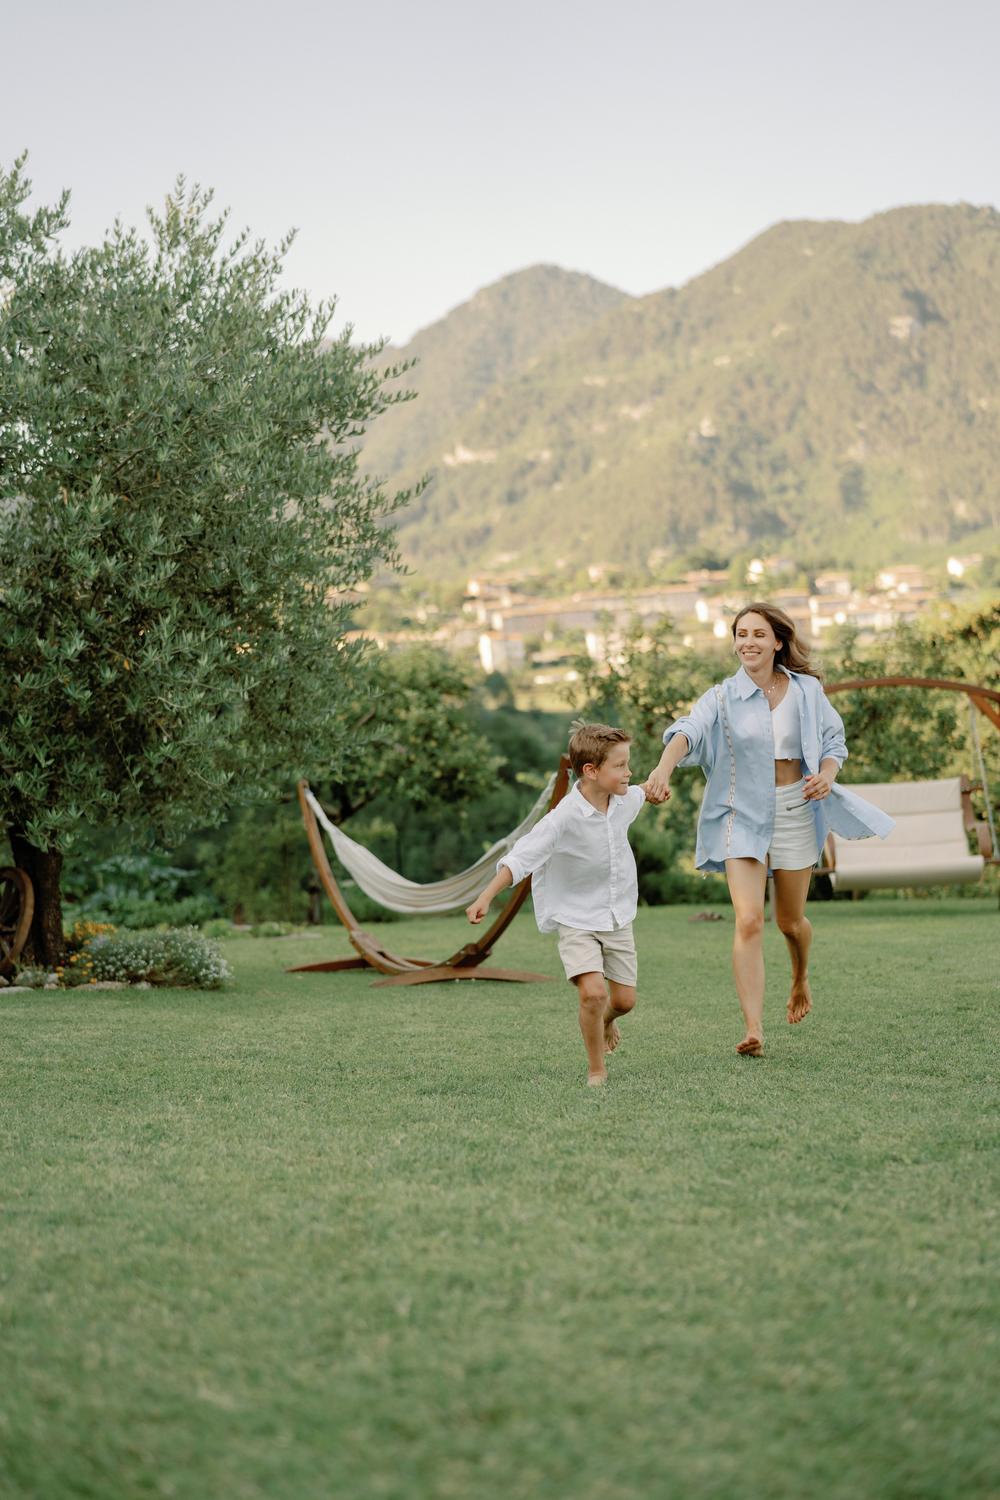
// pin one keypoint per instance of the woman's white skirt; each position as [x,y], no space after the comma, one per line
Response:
[793,846]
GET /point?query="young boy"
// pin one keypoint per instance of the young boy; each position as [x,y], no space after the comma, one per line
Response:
[584,884]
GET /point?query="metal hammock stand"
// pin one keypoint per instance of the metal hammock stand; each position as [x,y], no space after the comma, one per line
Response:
[466,963]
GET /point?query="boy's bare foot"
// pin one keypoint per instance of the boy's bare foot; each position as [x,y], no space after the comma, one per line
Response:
[612,1036]
[799,1002]
[751,1046]
[596,1080]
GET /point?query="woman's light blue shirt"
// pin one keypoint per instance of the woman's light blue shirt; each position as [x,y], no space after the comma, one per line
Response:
[730,735]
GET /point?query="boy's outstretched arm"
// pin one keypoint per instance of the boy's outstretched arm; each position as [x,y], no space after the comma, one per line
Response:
[528,855]
[501,880]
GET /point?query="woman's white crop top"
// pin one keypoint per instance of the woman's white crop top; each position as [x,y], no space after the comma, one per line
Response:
[786,728]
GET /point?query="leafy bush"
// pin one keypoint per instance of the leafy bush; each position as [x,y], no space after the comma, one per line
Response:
[222,928]
[256,865]
[184,958]
[138,891]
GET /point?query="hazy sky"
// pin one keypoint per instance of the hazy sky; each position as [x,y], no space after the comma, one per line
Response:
[425,149]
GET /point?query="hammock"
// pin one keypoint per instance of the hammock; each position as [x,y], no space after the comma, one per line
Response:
[399,894]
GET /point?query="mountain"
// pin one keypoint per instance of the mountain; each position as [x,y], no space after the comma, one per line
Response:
[832,390]
[488,340]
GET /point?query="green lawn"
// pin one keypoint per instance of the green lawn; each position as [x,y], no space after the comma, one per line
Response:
[304,1238]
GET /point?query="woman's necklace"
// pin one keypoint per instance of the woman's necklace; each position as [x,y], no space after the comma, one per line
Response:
[770,691]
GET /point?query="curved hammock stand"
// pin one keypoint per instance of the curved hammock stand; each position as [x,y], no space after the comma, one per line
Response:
[923,857]
[465,964]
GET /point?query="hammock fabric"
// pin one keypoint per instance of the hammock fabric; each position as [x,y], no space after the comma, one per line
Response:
[396,893]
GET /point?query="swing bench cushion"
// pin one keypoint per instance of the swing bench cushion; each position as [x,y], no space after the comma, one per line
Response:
[928,846]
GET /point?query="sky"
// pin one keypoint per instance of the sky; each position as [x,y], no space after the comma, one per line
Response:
[425,150]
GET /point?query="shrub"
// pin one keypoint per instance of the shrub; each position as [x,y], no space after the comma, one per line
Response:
[81,933]
[184,958]
[221,927]
[77,970]
[138,891]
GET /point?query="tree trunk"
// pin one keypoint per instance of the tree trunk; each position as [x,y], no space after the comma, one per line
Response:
[44,869]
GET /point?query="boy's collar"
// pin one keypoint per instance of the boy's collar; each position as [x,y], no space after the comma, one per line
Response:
[587,807]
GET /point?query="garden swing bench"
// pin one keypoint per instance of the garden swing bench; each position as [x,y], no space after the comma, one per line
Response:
[929,844]
[391,890]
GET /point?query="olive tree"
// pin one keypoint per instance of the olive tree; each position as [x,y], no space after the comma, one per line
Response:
[182,517]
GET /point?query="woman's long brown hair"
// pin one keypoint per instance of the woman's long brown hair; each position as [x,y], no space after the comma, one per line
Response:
[791,653]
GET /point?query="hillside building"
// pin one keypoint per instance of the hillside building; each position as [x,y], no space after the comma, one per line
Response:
[837,584]
[906,578]
[501,653]
[583,612]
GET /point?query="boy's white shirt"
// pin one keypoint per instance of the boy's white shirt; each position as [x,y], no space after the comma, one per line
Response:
[581,863]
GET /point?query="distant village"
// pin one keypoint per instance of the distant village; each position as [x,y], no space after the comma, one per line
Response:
[514,632]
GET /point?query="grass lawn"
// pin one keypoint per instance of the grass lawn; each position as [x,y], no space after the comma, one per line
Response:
[305,1238]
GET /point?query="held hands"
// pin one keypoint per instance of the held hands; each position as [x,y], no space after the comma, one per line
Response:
[657,786]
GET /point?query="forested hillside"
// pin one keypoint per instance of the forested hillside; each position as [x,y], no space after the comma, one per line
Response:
[486,341]
[831,390]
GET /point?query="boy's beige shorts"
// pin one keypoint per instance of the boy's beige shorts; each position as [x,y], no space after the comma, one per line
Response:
[609,953]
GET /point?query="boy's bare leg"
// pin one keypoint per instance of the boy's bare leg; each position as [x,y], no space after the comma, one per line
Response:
[593,1004]
[747,882]
[620,1002]
[791,887]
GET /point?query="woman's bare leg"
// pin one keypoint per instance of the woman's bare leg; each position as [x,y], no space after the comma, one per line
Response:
[791,887]
[747,881]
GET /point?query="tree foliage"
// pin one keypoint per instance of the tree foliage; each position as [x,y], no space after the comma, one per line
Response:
[181,513]
[413,739]
[182,508]
[897,734]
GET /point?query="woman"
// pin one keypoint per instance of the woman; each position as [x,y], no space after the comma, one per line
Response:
[770,745]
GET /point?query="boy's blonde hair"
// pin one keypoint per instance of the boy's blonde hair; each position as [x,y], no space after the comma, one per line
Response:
[591,744]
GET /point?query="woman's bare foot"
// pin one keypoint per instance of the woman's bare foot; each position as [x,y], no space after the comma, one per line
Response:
[799,1002]
[751,1046]
[612,1036]
[596,1080]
